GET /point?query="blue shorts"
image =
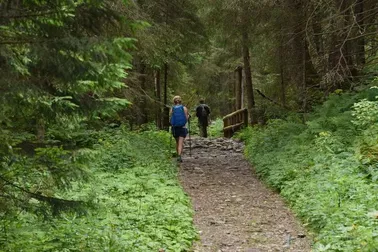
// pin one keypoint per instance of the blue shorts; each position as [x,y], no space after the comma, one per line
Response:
[179,132]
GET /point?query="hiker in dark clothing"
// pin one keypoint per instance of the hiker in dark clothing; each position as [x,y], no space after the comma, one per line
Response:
[203,112]
[179,117]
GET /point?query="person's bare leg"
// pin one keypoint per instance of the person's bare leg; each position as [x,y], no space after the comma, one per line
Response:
[177,146]
[180,145]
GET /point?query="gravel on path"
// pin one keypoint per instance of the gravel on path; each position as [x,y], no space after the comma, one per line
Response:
[234,210]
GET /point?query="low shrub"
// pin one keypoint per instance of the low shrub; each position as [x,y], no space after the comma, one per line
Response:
[327,169]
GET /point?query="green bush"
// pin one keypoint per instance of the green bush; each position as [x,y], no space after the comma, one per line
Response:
[327,169]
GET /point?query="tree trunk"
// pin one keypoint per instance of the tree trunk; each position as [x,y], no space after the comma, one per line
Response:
[304,81]
[41,130]
[230,80]
[158,99]
[234,91]
[318,39]
[238,88]
[166,109]
[347,49]
[143,118]
[359,10]
[319,61]
[340,59]
[283,88]
[248,78]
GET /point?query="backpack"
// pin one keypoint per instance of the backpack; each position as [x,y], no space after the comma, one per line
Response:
[178,118]
[203,112]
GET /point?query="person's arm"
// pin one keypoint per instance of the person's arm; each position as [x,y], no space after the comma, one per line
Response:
[208,110]
[208,114]
[186,113]
[170,116]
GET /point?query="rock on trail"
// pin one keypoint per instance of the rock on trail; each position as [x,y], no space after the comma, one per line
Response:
[234,211]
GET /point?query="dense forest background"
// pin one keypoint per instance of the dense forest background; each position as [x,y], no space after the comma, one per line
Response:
[84,82]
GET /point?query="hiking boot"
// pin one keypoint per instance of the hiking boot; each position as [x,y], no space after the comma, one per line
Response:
[179,159]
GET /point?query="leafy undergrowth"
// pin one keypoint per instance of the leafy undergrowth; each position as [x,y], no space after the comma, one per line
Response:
[136,203]
[327,169]
[216,128]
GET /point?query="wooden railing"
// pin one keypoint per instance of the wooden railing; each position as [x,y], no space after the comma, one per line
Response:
[234,122]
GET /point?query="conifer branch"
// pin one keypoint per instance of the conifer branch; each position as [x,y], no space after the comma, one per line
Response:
[57,204]
[28,15]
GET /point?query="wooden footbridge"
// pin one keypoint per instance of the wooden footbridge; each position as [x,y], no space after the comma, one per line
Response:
[234,122]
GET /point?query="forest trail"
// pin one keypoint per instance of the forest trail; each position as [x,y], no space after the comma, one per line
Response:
[234,211]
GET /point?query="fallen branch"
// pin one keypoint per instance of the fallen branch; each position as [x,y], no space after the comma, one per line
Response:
[271,100]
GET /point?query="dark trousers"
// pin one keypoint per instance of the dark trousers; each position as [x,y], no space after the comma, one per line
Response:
[202,130]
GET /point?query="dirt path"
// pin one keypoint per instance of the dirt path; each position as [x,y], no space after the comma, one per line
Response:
[234,211]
